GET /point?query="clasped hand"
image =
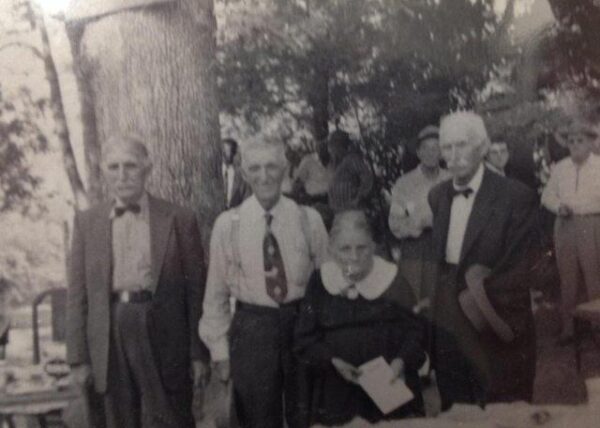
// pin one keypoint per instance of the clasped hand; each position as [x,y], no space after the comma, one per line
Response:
[352,374]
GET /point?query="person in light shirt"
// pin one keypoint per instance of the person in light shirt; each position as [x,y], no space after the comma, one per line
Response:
[573,194]
[410,217]
[262,253]
[484,235]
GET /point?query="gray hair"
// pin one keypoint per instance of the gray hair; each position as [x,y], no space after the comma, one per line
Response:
[351,218]
[264,144]
[469,121]
[131,142]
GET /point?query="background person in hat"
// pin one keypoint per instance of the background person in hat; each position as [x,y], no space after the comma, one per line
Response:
[135,291]
[483,237]
[410,217]
[573,194]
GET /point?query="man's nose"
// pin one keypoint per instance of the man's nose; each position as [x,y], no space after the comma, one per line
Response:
[262,174]
[454,154]
[122,173]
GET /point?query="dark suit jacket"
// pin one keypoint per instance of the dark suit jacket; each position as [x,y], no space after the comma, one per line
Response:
[178,267]
[240,190]
[500,234]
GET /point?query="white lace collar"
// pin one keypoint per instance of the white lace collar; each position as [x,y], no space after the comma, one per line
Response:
[370,287]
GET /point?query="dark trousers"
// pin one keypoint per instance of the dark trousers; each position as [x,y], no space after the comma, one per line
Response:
[136,397]
[265,376]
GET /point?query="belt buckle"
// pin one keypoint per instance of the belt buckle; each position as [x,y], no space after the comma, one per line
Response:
[125,297]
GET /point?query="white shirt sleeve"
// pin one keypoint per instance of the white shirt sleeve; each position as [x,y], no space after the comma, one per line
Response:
[550,195]
[216,315]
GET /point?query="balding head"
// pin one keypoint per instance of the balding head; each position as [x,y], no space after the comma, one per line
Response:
[464,143]
[130,143]
[465,125]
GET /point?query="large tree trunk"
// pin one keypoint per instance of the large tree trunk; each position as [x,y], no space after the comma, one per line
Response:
[151,72]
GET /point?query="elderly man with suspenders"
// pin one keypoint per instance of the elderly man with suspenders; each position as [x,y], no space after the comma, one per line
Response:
[262,253]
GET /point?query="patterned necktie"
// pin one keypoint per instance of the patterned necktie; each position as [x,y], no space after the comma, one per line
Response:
[274,270]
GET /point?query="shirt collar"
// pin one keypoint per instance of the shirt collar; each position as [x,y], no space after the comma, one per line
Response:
[370,287]
[256,212]
[475,182]
[143,202]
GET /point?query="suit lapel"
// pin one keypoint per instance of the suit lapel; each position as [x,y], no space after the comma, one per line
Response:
[483,208]
[443,221]
[102,244]
[161,218]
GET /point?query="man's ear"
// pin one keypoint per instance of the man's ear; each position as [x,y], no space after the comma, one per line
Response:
[148,168]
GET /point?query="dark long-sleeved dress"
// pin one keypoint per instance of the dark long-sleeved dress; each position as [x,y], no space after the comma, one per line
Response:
[358,330]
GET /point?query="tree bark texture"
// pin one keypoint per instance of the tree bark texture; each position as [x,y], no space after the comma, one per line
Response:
[58,114]
[151,72]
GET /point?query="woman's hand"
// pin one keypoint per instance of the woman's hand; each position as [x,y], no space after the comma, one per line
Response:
[346,370]
[397,366]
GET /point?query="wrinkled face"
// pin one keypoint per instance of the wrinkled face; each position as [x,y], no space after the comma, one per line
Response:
[125,172]
[429,153]
[353,250]
[498,155]
[463,154]
[580,147]
[263,169]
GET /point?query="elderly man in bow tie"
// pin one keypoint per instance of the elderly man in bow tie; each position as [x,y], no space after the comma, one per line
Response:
[134,300]
[483,232]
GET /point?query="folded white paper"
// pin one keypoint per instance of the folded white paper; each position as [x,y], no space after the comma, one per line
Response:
[377,379]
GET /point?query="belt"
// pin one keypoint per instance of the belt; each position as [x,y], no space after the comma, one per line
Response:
[267,310]
[126,296]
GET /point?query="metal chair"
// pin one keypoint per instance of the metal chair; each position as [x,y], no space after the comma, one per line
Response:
[58,304]
[584,317]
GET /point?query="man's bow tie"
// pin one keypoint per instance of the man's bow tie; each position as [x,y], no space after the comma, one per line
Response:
[465,192]
[134,208]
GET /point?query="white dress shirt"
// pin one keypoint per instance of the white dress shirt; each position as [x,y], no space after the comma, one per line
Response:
[410,213]
[314,175]
[573,185]
[459,217]
[247,284]
[132,262]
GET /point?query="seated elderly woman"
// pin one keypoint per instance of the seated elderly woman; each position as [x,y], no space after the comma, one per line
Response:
[357,308]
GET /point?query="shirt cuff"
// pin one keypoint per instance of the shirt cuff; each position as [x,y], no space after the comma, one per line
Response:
[219,351]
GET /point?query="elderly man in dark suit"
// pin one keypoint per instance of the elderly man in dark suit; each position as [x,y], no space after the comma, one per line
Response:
[483,231]
[136,285]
